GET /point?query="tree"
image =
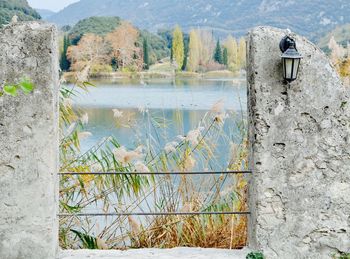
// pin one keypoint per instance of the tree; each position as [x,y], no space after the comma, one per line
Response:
[91,50]
[123,41]
[64,62]
[218,53]
[232,52]
[337,52]
[225,57]
[194,51]
[340,58]
[207,47]
[146,62]
[242,53]
[171,55]
[157,47]
[186,49]
[178,47]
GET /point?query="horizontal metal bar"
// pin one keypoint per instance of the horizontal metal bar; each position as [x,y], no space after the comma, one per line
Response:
[155,173]
[152,214]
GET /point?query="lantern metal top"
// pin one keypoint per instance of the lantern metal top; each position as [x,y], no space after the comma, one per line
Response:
[291,53]
[289,49]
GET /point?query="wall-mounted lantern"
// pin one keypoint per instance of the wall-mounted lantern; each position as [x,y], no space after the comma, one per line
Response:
[290,59]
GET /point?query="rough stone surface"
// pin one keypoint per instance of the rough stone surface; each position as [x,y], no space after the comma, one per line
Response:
[29,143]
[176,253]
[300,155]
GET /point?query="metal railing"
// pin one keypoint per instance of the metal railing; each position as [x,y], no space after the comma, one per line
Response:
[116,214]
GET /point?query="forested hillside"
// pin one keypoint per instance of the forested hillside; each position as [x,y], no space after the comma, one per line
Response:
[309,17]
[100,34]
[96,25]
[9,8]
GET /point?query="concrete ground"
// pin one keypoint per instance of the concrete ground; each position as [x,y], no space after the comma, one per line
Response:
[175,253]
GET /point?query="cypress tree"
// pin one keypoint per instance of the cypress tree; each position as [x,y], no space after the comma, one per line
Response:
[171,54]
[178,47]
[218,53]
[64,62]
[146,62]
[225,57]
[186,49]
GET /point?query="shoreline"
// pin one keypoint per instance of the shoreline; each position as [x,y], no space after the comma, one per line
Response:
[220,74]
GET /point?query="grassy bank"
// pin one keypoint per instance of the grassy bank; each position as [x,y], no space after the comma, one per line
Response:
[160,70]
[71,76]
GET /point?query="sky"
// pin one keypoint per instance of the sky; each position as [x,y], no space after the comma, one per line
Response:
[53,5]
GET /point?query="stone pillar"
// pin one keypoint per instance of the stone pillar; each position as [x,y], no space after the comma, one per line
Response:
[29,143]
[299,152]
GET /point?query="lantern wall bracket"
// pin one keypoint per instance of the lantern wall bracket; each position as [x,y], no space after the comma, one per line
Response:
[286,43]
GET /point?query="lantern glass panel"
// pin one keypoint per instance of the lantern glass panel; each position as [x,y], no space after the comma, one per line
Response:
[295,68]
[288,66]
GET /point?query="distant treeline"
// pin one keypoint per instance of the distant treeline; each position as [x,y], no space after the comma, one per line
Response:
[200,52]
[107,44]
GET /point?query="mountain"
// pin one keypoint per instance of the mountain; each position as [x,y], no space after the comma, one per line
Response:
[307,17]
[21,8]
[44,13]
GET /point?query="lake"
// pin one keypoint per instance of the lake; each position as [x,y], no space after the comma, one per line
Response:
[156,111]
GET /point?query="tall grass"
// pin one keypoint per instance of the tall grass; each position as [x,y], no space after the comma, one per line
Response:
[168,193]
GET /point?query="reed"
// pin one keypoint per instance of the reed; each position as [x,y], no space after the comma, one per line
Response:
[130,193]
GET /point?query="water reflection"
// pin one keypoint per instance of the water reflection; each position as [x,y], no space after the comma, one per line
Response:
[155,112]
[163,94]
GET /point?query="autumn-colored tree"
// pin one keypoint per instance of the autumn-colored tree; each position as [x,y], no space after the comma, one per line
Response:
[232,53]
[340,58]
[194,51]
[125,51]
[91,50]
[344,68]
[242,52]
[337,52]
[207,47]
[178,47]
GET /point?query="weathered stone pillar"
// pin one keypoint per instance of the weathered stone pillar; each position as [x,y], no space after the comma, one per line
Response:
[29,143]
[300,152]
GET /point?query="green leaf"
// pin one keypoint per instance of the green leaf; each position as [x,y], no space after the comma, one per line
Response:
[10,90]
[26,85]
[89,242]
[70,209]
[88,84]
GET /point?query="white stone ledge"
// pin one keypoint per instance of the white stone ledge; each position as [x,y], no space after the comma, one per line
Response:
[175,253]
